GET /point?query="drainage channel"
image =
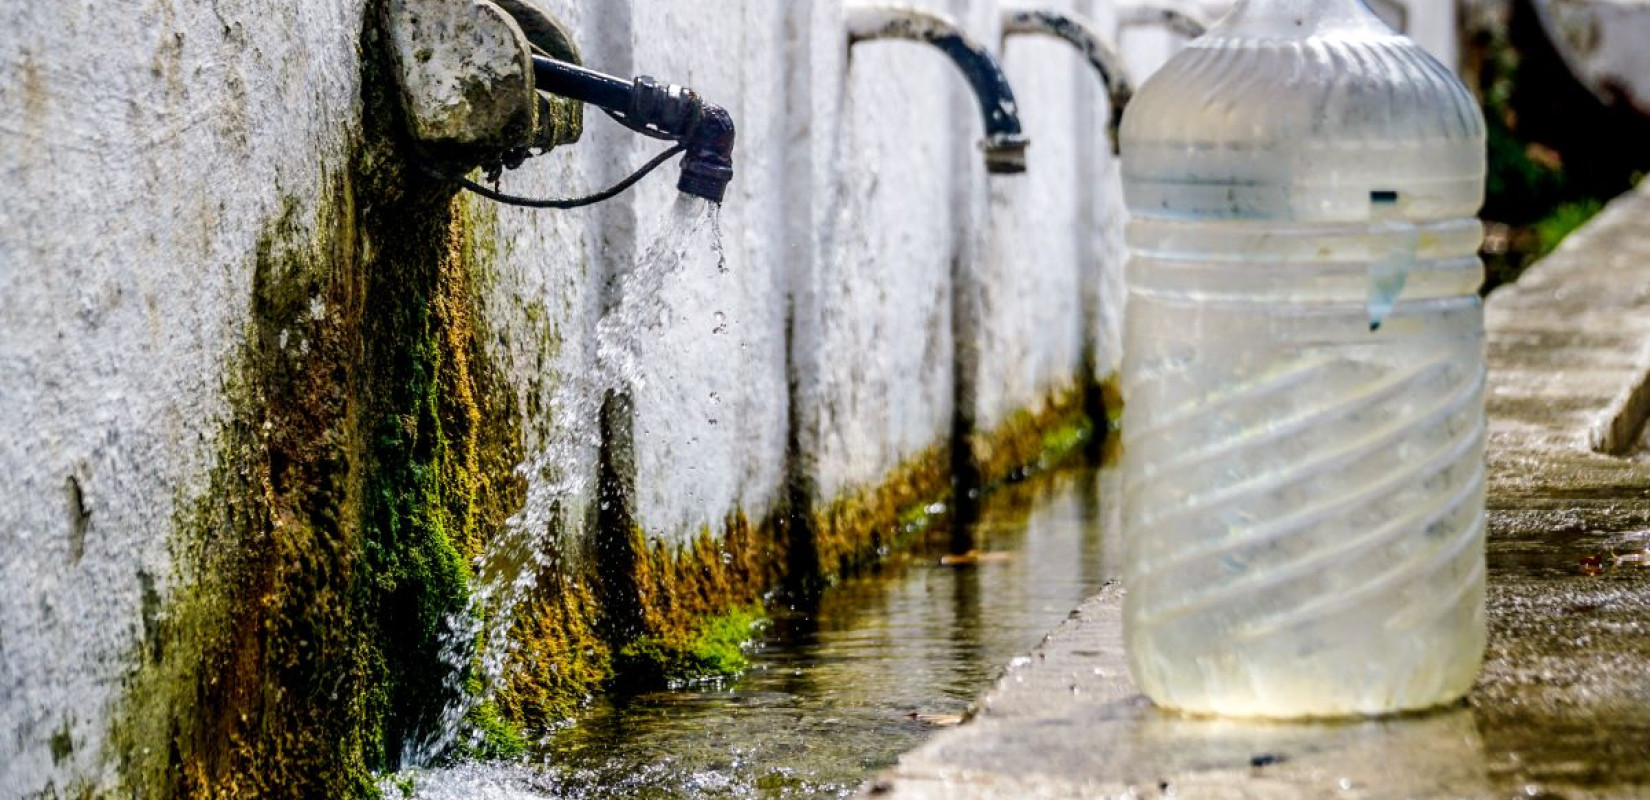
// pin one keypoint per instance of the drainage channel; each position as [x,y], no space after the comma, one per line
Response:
[836,692]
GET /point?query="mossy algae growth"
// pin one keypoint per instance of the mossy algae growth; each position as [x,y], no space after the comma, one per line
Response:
[304,638]
[716,650]
[1032,439]
[859,527]
[255,675]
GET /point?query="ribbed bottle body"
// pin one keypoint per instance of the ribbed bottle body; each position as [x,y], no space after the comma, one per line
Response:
[1303,435]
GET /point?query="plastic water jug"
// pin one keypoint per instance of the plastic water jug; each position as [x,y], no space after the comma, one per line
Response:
[1303,437]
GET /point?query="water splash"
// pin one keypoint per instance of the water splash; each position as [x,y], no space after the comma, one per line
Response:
[716,243]
[476,643]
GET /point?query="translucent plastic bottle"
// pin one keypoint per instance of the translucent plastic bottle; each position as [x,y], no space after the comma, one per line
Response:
[1303,442]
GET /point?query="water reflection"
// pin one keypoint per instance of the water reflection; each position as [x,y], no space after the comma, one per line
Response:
[1431,755]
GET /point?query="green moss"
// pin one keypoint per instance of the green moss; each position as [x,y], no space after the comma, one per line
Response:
[1066,439]
[298,645]
[1033,439]
[559,659]
[420,505]
[1111,394]
[858,528]
[495,738]
[1111,446]
[405,784]
[715,651]
[62,744]
[1563,221]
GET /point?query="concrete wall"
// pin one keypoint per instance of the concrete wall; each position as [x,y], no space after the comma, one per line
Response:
[143,151]
[873,276]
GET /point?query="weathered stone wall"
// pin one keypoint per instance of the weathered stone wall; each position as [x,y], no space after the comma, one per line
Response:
[276,408]
[146,154]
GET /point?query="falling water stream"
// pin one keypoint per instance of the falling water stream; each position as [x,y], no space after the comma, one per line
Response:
[507,573]
[839,689]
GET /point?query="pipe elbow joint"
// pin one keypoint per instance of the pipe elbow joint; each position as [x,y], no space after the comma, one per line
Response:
[707,168]
[704,132]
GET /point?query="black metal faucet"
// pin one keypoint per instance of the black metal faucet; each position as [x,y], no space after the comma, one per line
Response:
[1079,33]
[1005,143]
[705,131]
[1101,54]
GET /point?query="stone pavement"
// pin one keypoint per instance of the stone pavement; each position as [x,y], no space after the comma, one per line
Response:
[1563,706]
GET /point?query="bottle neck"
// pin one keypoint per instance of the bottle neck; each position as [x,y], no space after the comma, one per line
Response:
[1290,19]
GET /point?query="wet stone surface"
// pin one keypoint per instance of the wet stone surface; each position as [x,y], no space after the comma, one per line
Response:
[1562,708]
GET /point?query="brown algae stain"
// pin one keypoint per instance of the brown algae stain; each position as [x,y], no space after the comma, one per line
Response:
[369,453]
[695,604]
[262,613]
[1033,439]
[862,526]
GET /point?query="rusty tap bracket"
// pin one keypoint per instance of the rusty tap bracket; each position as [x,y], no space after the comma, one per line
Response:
[491,83]
[560,119]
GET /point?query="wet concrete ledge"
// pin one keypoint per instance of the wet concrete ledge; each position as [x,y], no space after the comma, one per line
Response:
[1563,706]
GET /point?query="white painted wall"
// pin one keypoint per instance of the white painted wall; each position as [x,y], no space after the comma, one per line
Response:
[882,375]
[1029,335]
[142,150]
[549,283]
[711,408]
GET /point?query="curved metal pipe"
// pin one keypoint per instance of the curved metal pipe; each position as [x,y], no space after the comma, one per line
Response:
[1005,143]
[658,110]
[1081,34]
[1189,24]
